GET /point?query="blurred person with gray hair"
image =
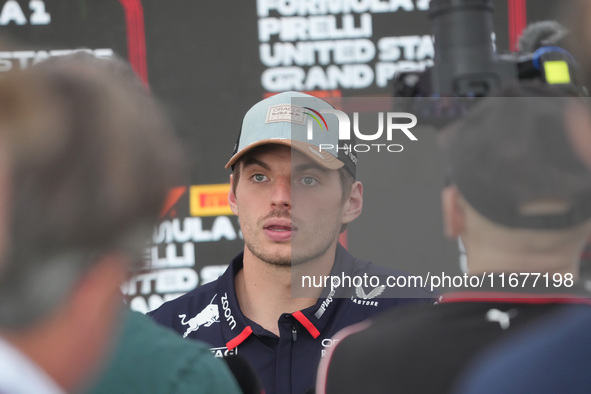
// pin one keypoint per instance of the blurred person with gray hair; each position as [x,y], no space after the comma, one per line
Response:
[90,163]
[148,358]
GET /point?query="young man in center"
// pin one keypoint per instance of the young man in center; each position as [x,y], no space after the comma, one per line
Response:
[294,193]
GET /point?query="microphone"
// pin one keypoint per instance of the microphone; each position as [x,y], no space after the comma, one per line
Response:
[541,34]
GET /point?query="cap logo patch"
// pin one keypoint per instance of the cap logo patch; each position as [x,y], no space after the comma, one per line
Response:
[285,113]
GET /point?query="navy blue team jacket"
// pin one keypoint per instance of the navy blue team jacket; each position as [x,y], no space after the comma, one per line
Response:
[288,363]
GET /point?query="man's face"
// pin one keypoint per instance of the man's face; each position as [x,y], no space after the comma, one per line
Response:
[290,209]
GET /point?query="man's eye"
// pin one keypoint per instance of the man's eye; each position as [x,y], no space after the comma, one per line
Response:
[309,181]
[259,177]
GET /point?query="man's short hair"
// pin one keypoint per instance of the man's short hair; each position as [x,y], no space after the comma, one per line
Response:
[92,159]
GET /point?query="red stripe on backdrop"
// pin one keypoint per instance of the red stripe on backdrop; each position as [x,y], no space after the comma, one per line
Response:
[517,21]
[136,37]
[173,197]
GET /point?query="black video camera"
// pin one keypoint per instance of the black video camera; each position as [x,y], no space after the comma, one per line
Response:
[466,65]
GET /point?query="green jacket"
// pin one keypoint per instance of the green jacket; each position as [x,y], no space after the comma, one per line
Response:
[151,359]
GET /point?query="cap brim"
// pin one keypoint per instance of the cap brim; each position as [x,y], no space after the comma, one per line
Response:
[323,158]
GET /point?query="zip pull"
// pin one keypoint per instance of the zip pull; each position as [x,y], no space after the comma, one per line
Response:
[294,332]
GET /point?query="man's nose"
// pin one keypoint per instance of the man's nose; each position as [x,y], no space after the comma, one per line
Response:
[281,193]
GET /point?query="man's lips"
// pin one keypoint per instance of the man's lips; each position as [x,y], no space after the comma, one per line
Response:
[278,230]
[279,224]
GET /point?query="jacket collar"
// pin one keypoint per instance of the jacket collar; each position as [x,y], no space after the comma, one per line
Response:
[237,328]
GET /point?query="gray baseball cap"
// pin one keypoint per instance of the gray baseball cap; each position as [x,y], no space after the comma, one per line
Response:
[297,120]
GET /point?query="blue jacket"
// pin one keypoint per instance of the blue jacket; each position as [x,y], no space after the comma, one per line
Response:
[288,363]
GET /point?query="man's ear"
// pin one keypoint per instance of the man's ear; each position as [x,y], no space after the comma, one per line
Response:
[453,212]
[232,196]
[354,204]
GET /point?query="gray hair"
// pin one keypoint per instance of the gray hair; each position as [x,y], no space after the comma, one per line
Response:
[92,159]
